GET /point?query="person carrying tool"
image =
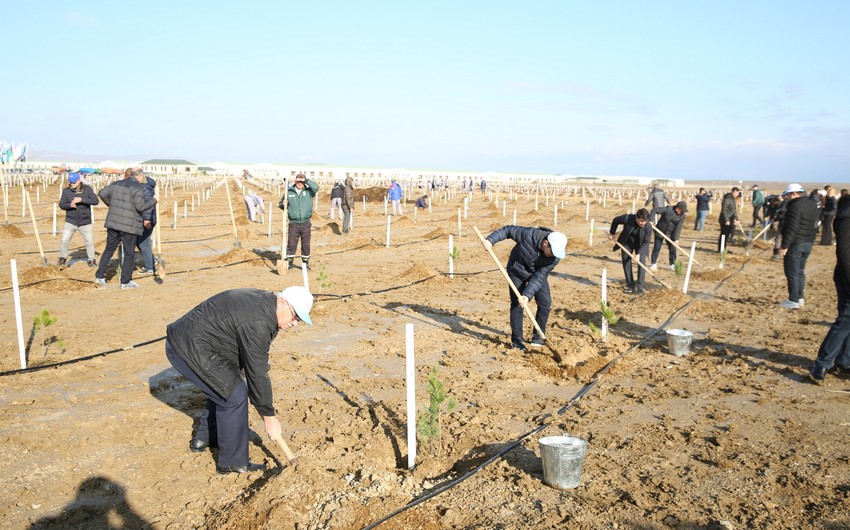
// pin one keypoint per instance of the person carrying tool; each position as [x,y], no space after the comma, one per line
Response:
[298,201]
[637,231]
[670,221]
[535,254]
[218,341]
[728,219]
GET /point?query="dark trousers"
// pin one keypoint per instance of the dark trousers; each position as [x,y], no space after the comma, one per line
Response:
[656,249]
[346,221]
[727,231]
[627,268]
[836,344]
[757,218]
[795,269]
[544,305]
[224,421]
[128,244]
[298,231]
[826,229]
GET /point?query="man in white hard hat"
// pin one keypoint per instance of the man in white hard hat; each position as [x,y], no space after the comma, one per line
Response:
[799,228]
[214,344]
[535,254]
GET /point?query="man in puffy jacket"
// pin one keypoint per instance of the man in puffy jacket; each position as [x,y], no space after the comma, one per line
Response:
[126,201]
[394,195]
[635,237]
[298,201]
[347,204]
[657,198]
[535,254]
[835,348]
[799,229]
[214,344]
[670,221]
[77,200]
[728,218]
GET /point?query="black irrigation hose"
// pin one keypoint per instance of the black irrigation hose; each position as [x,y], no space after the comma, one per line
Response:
[583,392]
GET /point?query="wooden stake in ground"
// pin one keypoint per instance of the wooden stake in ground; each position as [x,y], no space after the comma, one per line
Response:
[35,229]
[236,242]
[683,251]
[641,265]
[514,289]
[159,262]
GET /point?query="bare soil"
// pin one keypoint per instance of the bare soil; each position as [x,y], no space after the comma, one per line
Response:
[729,436]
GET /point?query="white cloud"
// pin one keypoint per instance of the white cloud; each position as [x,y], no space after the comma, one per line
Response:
[80,20]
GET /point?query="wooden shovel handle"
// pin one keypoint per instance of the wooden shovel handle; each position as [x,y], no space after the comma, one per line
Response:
[285,448]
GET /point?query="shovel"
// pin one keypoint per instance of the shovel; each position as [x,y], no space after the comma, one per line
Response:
[285,448]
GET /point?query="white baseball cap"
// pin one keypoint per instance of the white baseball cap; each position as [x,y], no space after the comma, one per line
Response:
[793,188]
[301,301]
[558,243]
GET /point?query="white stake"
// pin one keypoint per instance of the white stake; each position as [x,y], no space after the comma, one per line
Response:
[587,211]
[504,207]
[514,216]
[605,303]
[722,248]
[185,207]
[16,295]
[556,215]
[690,264]
[304,274]
[410,377]
[451,257]
[590,240]
[270,222]
[458,222]
[364,204]
[174,227]
[388,231]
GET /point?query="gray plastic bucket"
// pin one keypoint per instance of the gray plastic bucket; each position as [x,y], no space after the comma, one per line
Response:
[679,341]
[563,457]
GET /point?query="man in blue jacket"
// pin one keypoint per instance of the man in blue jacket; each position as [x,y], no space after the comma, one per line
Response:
[635,237]
[395,194]
[535,254]
[77,200]
[214,344]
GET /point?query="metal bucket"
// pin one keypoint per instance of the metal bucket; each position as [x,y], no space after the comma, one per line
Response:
[679,341]
[563,457]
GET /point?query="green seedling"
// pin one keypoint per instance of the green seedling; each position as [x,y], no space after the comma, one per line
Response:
[609,314]
[455,253]
[324,281]
[722,257]
[40,323]
[679,269]
[428,425]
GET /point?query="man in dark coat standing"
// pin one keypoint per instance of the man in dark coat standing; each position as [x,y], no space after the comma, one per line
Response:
[126,201]
[799,228]
[77,200]
[670,221]
[728,218]
[535,254]
[636,234]
[835,348]
[214,344]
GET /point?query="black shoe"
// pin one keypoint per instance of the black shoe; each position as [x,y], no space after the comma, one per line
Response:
[518,346]
[61,262]
[639,291]
[199,446]
[92,263]
[817,375]
[224,470]
[536,344]
[629,290]
[841,370]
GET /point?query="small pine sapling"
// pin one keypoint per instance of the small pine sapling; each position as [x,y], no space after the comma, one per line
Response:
[40,323]
[594,330]
[722,257]
[429,422]
[324,281]
[679,269]
[455,253]
[609,314]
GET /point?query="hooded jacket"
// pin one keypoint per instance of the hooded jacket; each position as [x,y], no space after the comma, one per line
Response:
[527,261]
[348,196]
[630,226]
[395,192]
[800,224]
[126,201]
[81,215]
[229,332]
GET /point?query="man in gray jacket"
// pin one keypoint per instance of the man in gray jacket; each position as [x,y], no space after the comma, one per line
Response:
[217,342]
[126,201]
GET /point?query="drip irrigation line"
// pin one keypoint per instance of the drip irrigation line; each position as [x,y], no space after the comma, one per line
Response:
[78,359]
[581,394]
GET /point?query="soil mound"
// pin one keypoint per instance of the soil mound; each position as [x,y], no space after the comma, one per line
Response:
[12,232]
[237,255]
[437,232]
[418,272]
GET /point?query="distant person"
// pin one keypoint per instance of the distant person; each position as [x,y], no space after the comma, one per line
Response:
[728,219]
[834,351]
[483,186]
[298,201]
[337,193]
[830,207]
[798,235]
[534,256]
[657,198]
[703,199]
[347,204]
[394,194]
[670,221]
[635,237]
[126,201]
[255,205]
[145,242]
[422,202]
[77,200]
[222,347]
[758,205]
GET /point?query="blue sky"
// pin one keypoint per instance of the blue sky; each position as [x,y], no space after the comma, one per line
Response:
[750,90]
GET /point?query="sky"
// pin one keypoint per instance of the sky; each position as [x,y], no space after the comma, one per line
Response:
[740,90]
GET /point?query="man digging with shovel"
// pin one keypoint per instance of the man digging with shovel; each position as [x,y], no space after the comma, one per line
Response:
[535,254]
[213,344]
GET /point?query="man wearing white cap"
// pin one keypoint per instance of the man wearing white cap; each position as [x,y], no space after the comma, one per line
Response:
[799,228]
[214,344]
[535,254]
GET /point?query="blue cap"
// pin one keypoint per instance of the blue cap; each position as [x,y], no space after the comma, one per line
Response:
[73,178]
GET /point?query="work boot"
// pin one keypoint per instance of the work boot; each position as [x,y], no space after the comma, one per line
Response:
[61,262]
[92,263]
[289,264]
[306,262]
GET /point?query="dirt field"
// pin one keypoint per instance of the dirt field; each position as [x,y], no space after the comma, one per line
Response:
[730,436]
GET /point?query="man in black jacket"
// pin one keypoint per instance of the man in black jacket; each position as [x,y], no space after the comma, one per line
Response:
[670,221]
[535,254]
[728,218]
[77,200]
[636,234]
[835,348]
[126,201]
[799,228]
[218,340]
